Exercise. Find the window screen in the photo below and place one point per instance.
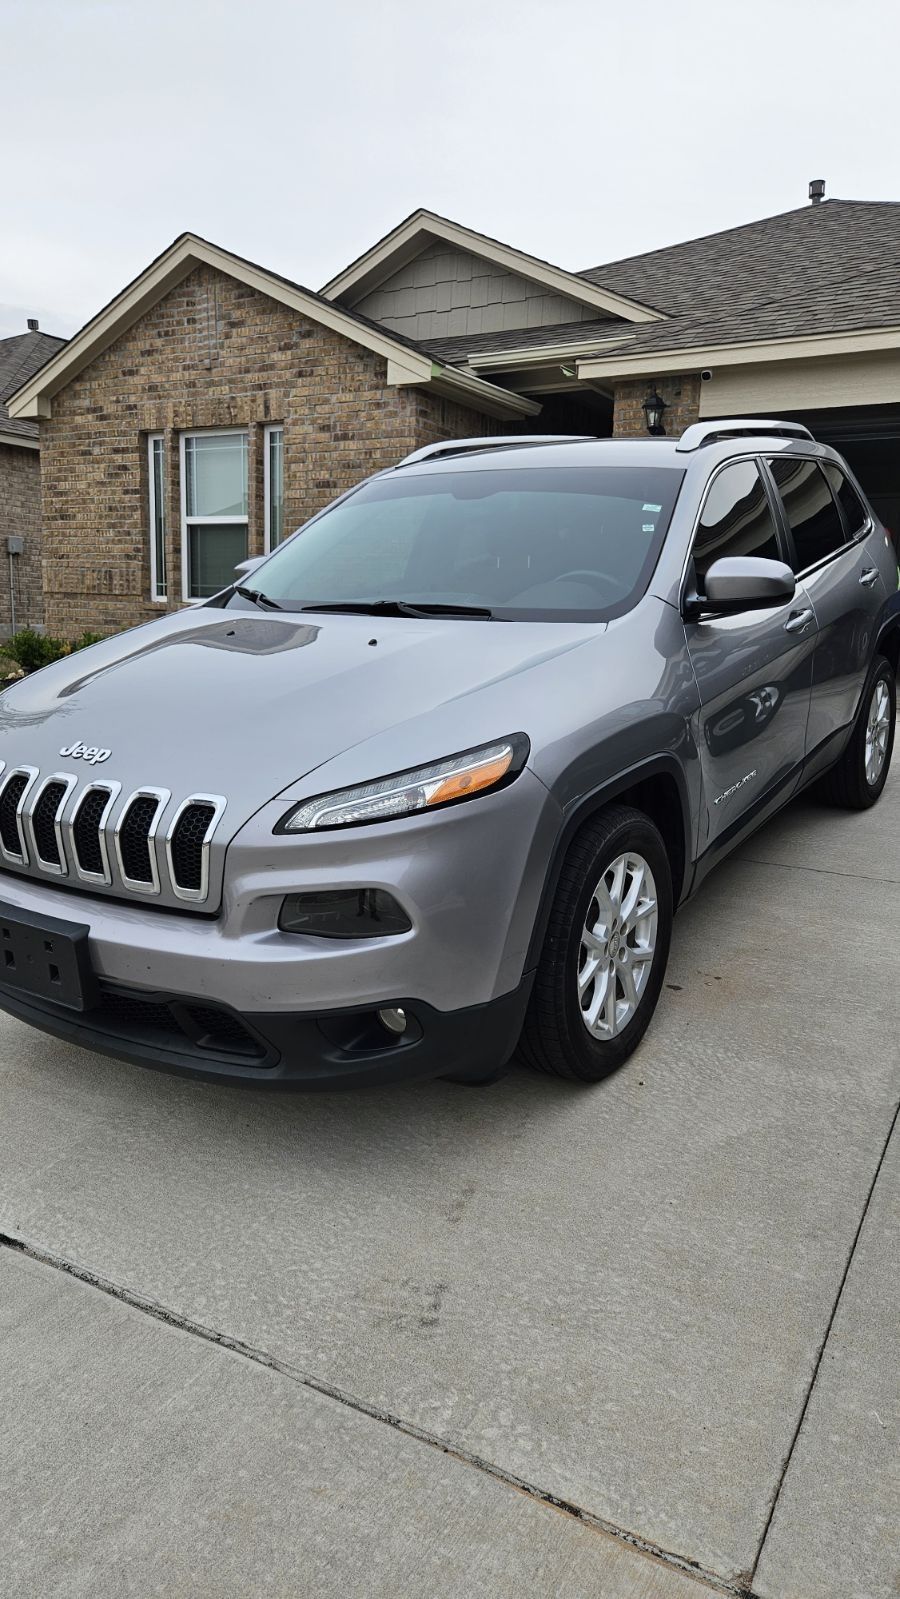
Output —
(811, 510)
(736, 519)
(855, 513)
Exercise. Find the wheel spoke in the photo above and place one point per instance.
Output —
(587, 974)
(626, 977)
(610, 1003)
(598, 1002)
(634, 893)
(645, 909)
(615, 888)
(641, 952)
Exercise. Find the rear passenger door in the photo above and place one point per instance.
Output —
(830, 530)
(753, 670)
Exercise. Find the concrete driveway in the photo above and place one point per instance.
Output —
(529, 1340)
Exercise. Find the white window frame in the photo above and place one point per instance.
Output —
(273, 427)
(200, 521)
(159, 597)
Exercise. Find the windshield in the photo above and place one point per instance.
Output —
(538, 543)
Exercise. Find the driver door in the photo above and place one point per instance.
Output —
(753, 670)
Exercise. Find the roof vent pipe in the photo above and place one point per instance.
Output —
(817, 191)
(32, 324)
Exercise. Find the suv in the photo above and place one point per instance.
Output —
(430, 783)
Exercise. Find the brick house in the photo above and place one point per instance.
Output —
(21, 596)
(214, 405)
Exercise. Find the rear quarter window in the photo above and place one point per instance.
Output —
(811, 510)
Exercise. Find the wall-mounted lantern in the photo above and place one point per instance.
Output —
(653, 408)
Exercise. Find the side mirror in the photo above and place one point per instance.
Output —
(244, 568)
(742, 583)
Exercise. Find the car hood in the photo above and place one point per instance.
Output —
(244, 705)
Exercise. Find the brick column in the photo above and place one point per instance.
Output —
(682, 397)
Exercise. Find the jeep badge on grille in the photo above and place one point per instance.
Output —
(86, 752)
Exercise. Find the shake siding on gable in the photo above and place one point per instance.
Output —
(445, 292)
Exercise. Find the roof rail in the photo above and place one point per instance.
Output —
(431, 452)
(700, 433)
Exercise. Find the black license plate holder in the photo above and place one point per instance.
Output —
(46, 958)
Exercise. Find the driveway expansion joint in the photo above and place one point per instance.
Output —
(261, 1357)
(823, 1346)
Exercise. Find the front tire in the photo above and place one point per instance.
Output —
(858, 778)
(605, 951)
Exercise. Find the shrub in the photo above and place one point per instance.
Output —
(32, 650)
(87, 638)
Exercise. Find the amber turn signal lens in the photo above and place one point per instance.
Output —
(460, 784)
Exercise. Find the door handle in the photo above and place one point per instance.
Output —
(869, 576)
(798, 621)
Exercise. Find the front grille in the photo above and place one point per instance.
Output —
(86, 831)
(9, 800)
(42, 823)
(92, 833)
(134, 839)
(188, 837)
(221, 1029)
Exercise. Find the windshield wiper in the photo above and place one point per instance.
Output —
(258, 598)
(400, 608)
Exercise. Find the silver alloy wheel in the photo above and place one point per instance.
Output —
(617, 946)
(877, 729)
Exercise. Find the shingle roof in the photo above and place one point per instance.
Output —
(462, 345)
(825, 268)
(20, 357)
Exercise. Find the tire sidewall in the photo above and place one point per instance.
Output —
(593, 1058)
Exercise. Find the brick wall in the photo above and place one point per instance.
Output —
(20, 515)
(681, 394)
(213, 353)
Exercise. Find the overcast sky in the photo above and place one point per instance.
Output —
(296, 134)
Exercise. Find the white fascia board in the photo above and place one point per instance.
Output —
(650, 362)
(464, 387)
(18, 442)
(34, 398)
(411, 236)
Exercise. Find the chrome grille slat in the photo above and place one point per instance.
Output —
(135, 834)
(86, 832)
(43, 821)
(14, 790)
(188, 859)
(95, 836)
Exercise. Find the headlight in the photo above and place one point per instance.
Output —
(460, 777)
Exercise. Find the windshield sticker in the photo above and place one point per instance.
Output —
(651, 507)
(648, 527)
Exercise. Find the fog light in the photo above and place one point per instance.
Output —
(393, 1018)
(344, 913)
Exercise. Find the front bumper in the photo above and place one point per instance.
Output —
(336, 1049)
(289, 1006)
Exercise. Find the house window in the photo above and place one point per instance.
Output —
(214, 510)
(274, 486)
(156, 461)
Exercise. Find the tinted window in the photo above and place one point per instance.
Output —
(736, 519)
(811, 510)
(855, 513)
(540, 542)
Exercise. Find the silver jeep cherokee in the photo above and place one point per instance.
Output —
(431, 781)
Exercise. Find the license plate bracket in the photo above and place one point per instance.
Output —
(46, 958)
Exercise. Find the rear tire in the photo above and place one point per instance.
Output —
(857, 780)
(605, 951)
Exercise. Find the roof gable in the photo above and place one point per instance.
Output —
(423, 229)
(408, 364)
